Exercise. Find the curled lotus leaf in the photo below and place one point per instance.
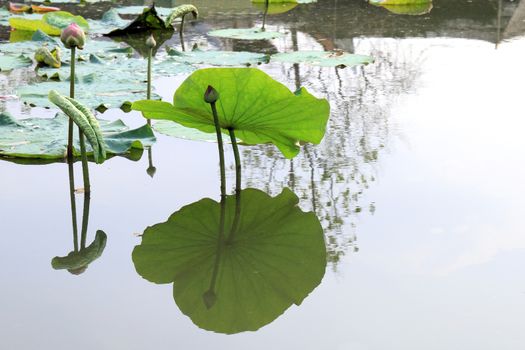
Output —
(46, 138)
(79, 260)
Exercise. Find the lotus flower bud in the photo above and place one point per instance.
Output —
(150, 42)
(211, 95)
(73, 36)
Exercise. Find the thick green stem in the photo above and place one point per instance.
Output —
(72, 95)
(237, 216)
(148, 91)
(85, 220)
(85, 169)
(181, 34)
(73, 204)
(221, 149)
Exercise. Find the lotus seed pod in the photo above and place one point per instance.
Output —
(150, 42)
(211, 95)
(73, 36)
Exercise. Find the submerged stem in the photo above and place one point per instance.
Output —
(73, 204)
(72, 95)
(85, 220)
(237, 216)
(85, 169)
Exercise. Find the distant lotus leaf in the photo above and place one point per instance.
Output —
(238, 283)
(218, 58)
(258, 108)
(170, 128)
(137, 10)
(405, 7)
(110, 21)
(147, 20)
(8, 63)
(180, 12)
(78, 261)
(45, 138)
(116, 70)
(51, 23)
(46, 57)
(322, 58)
(246, 34)
(276, 8)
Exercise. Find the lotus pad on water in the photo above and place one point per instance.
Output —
(51, 23)
(8, 63)
(47, 138)
(322, 58)
(218, 58)
(231, 284)
(246, 34)
(258, 108)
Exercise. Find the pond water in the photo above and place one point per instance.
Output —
(418, 185)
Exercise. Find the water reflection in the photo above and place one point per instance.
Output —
(238, 264)
(77, 261)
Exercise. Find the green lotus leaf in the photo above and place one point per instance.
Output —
(110, 21)
(51, 23)
(322, 58)
(258, 108)
(246, 34)
(78, 261)
(146, 21)
(8, 63)
(170, 128)
(231, 284)
(45, 138)
(218, 58)
(412, 10)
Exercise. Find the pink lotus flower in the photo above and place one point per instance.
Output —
(73, 36)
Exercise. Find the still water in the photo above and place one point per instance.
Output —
(418, 186)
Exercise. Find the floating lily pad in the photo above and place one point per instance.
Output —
(115, 71)
(137, 10)
(218, 58)
(46, 138)
(8, 63)
(405, 7)
(258, 108)
(240, 282)
(5, 15)
(110, 21)
(78, 261)
(51, 23)
(322, 58)
(246, 34)
(173, 129)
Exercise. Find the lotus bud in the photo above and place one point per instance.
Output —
(73, 36)
(211, 95)
(209, 299)
(150, 42)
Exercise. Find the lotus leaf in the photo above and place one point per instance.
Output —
(170, 128)
(322, 58)
(246, 34)
(258, 108)
(231, 284)
(147, 20)
(405, 7)
(51, 23)
(8, 63)
(218, 58)
(46, 138)
(78, 261)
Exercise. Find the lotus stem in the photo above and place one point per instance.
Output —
(266, 6)
(148, 92)
(85, 219)
(85, 169)
(73, 204)
(72, 95)
(181, 34)
(221, 149)
(209, 297)
(237, 216)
